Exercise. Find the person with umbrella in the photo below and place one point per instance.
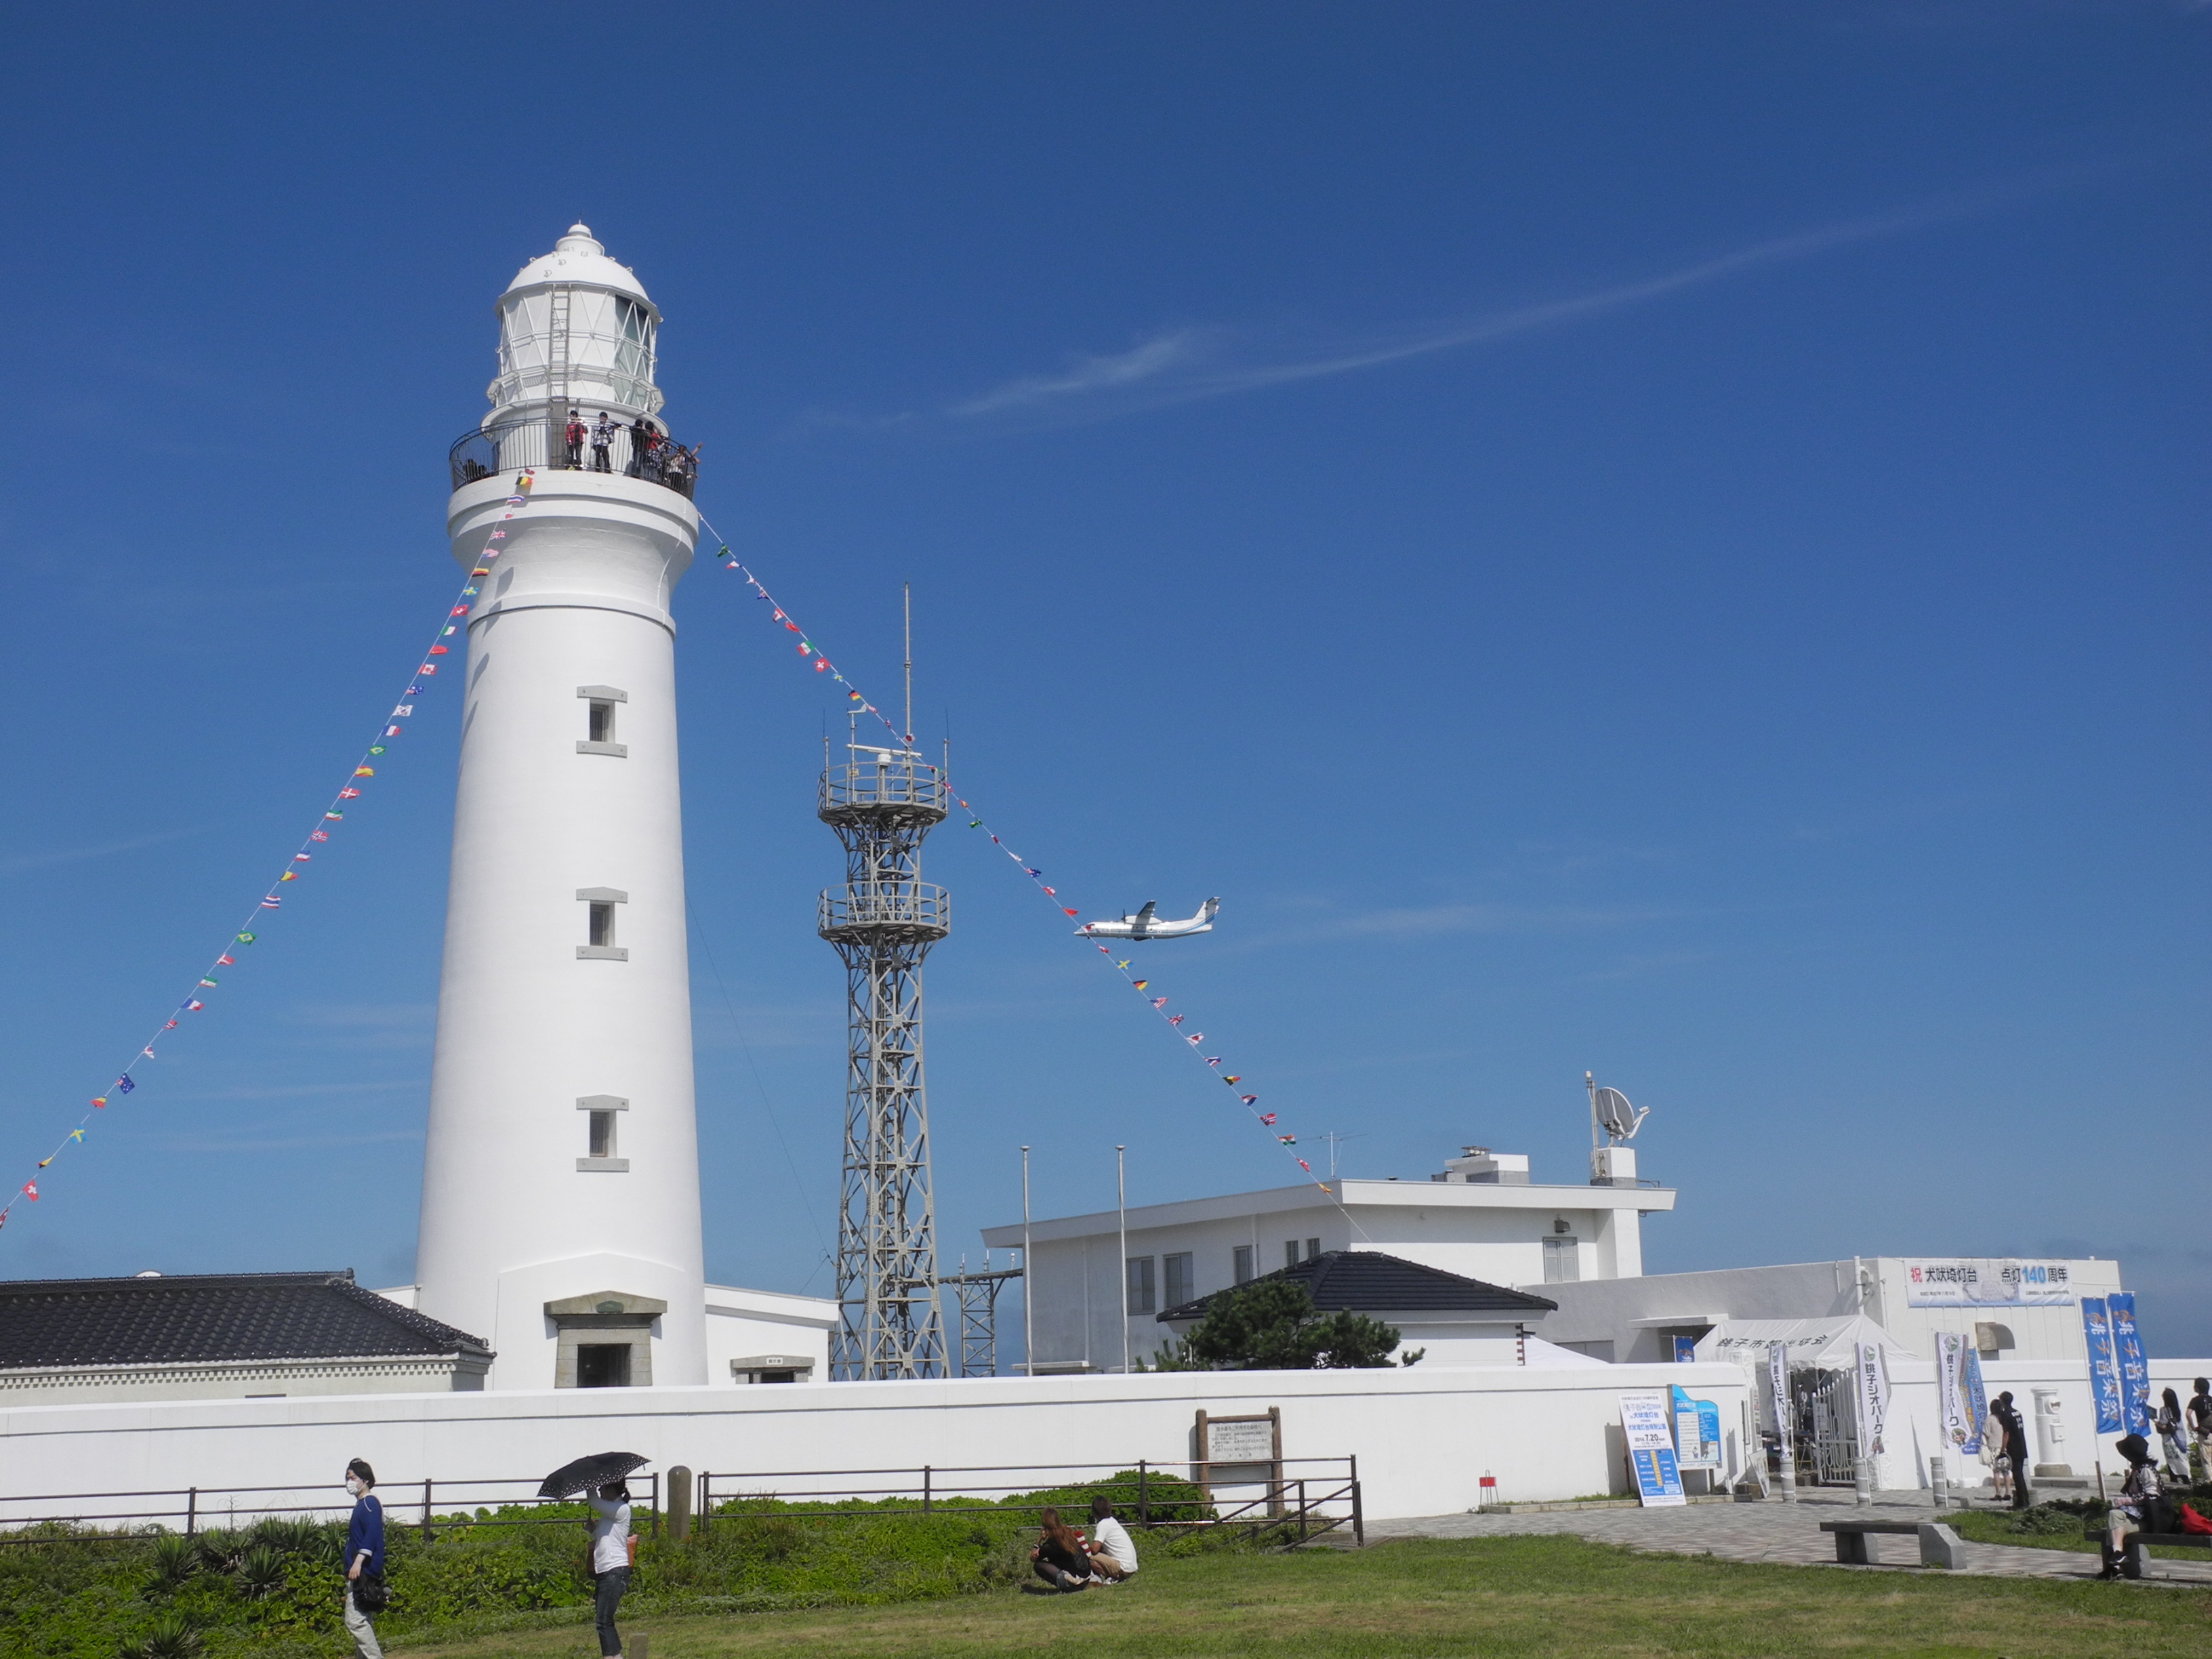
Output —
(614, 1550)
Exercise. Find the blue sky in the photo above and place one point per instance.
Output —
(1664, 540)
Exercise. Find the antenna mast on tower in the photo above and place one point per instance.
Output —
(882, 802)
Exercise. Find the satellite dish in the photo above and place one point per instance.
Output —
(1619, 1119)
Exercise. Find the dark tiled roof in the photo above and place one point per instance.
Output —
(210, 1316)
(1370, 1282)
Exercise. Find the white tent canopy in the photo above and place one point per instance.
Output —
(1827, 1343)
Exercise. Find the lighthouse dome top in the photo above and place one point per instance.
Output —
(579, 258)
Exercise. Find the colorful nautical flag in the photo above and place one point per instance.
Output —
(125, 1085)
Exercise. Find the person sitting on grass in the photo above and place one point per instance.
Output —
(1113, 1557)
(1060, 1556)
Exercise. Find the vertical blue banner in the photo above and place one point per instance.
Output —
(2134, 1365)
(2104, 1373)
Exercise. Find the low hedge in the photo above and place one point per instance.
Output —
(273, 1589)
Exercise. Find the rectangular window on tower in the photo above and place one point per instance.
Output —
(1289, 1253)
(1313, 1248)
(602, 1138)
(1242, 1260)
(598, 737)
(1181, 1283)
(599, 905)
(1562, 1261)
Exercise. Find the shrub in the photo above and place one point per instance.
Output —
(171, 1636)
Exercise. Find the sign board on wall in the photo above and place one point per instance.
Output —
(1652, 1449)
(1987, 1282)
(1696, 1432)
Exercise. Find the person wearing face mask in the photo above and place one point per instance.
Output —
(364, 1559)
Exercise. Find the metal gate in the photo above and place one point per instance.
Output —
(1827, 1426)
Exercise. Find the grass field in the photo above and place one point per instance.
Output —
(1548, 1596)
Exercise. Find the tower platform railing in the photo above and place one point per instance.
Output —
(898, 785)
(487, 452)
(913, 909)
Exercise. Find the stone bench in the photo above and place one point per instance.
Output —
(2131, 1550)
(1940, 1547)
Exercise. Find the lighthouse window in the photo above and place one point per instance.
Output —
(602, 924)
(603, 1134)
(602, 725)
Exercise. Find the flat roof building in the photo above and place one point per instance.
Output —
(1482, 1218)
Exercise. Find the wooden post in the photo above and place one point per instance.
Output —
(655, 1501)
(426, 1509)
(1144, 1496)
(1200, 1466)
(925, 1489)
(706, 1499)
(679, 1503)
(192, 1510)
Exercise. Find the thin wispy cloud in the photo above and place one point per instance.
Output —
(1192, 363)
(1148, 361)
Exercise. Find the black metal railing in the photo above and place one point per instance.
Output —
(192, 1510)
(488, 452)
(1322, 1497)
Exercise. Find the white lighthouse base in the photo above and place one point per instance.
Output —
(752, 1336)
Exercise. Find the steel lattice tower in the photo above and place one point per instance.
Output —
(882, 802)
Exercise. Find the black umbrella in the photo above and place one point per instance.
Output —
(590, 1473)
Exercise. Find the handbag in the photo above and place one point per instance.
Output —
(371, 1594)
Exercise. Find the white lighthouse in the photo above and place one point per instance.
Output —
(560, 1180)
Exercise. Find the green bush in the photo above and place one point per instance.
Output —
(274, 1589)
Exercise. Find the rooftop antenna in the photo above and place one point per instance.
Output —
(1613, 1122)
(907, 730)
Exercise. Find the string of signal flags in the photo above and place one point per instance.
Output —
(394, 726)
(858, 704)
(318, 839)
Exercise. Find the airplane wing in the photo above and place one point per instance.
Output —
(1144, 917)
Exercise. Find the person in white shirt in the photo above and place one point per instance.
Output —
(1113, 1555)
(610, 1561)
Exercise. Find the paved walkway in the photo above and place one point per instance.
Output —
(1774, 1531)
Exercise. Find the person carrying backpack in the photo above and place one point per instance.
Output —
(364, 1559)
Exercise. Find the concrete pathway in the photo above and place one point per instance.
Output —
(1774, 1531)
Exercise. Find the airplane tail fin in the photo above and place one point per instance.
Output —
(1209, 909)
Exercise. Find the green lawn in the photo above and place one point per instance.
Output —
(2040, 1529)
(1548, 1597)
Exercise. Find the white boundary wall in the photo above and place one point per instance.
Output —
(1425, 1437)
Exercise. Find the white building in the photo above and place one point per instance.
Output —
(2011, 1309)
(1481, 1218)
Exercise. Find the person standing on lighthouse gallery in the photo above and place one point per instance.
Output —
(575, 435)
(603, 435)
